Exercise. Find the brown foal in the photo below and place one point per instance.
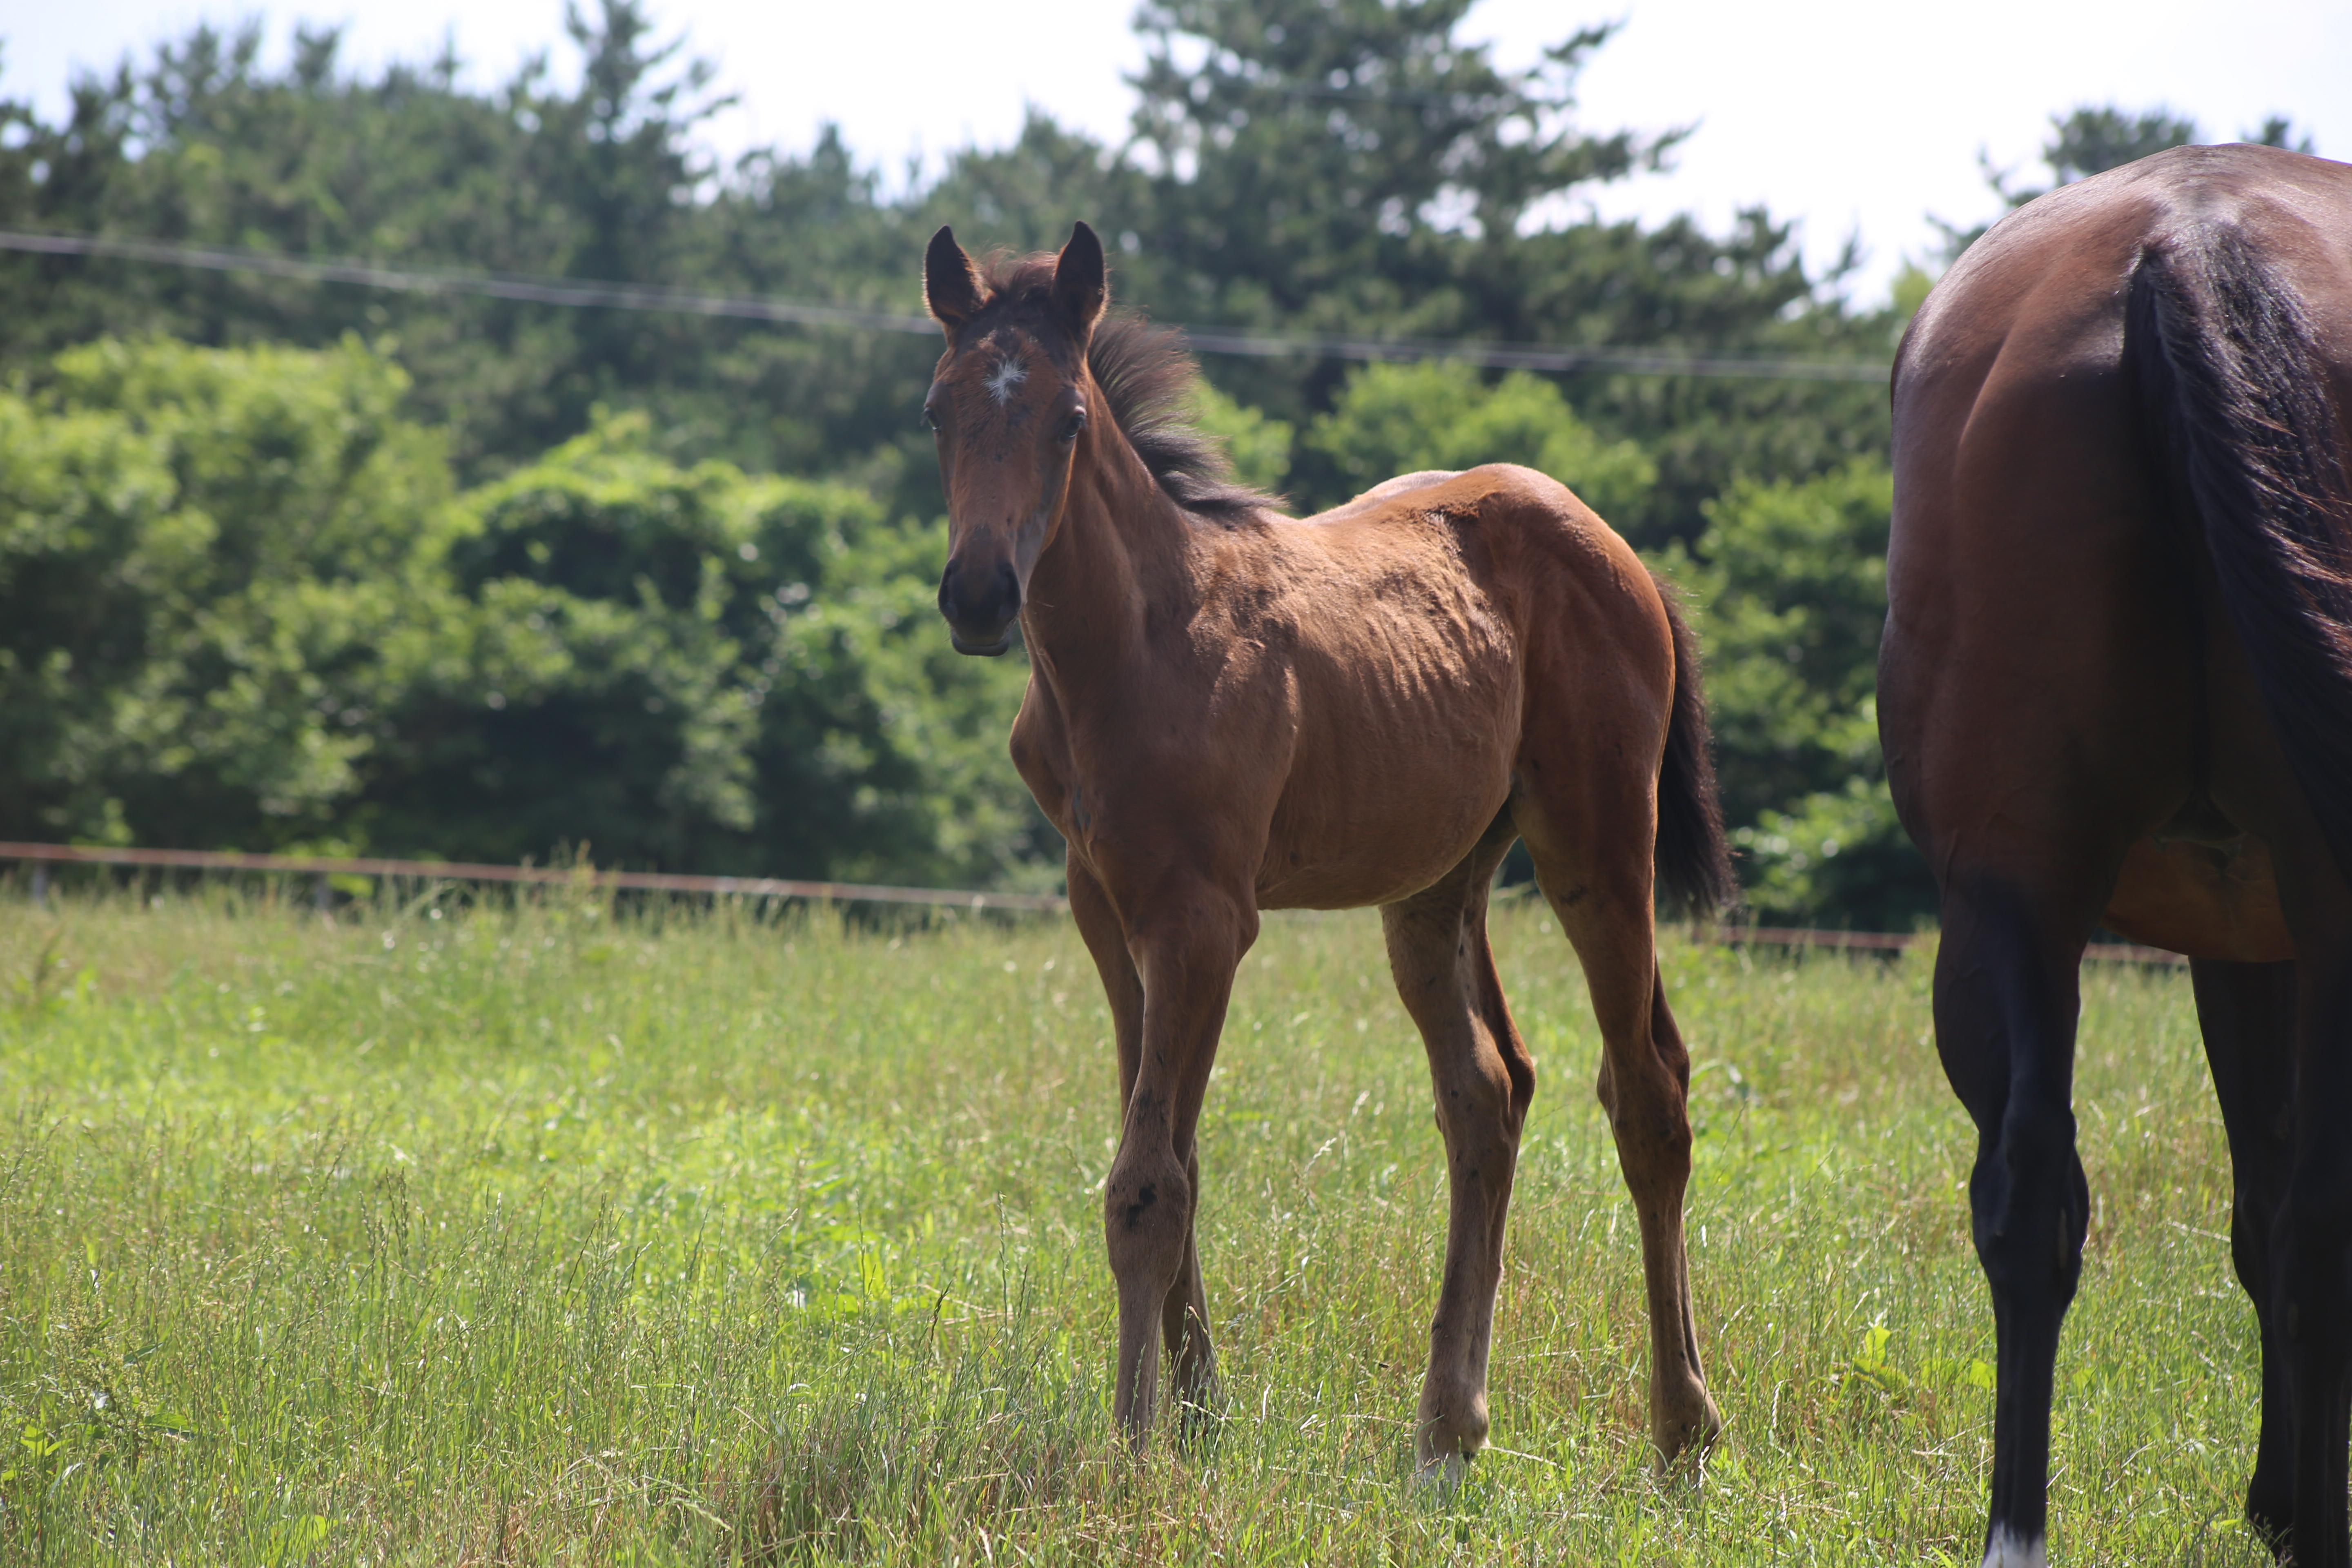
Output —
(1229, 710)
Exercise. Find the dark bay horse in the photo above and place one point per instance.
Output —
(2116, 686)
(1231, 710)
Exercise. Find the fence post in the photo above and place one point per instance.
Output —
(323, 898)
(40, 884)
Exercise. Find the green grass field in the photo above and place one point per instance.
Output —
(536, 1234)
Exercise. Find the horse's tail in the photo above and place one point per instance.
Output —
(2234, 390)
(1694, 860)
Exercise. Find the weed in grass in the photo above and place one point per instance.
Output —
(554, 1231)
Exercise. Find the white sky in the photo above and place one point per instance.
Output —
(1851, 115)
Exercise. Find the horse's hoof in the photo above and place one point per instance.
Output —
(2007, 1551)
(2270, 1514)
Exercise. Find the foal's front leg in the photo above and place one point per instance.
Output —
(1185, 949)
(1184, 1313)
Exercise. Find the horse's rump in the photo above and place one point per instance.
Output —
(2117, 671)
(2251, 448)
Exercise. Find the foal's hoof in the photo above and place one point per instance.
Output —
(1200, 1420)
(1451, 1429)
(1439, 1475)
(1133, 1449)
(1685, 1436)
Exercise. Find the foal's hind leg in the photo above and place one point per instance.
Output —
(1483, 1078)
(1595, 873)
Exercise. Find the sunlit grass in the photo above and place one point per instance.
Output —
(540, 1235)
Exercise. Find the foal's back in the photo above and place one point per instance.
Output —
(1400, 643)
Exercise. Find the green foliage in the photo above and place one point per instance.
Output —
(1258, 446)
(2091, 138)
(1791, 587)
(1793, 582)
(207, 143)
(699, 668)
(1838, 858)
(894, 740)
(217, 571)
(602, 697)
(1347, 126)
(2278, 130)
(1358, 167)
(1364, 169)
(241, 607)
(1910, 291)
(1391, 419)
(2092, 141)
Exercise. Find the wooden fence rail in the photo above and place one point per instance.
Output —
(43, 856)
(1894, 942)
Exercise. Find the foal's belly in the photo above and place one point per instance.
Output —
(1389, 861)
(1385, 806)
(1405, 709)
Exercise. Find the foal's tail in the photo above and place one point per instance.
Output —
(1694, 860)
(2253, 455)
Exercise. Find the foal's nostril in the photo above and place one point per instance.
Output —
(980, 604)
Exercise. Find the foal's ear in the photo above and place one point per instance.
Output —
(951, 285)
(1078, 284)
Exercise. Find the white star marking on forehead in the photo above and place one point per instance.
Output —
(1000, 382)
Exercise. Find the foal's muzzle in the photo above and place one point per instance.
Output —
(979, 606)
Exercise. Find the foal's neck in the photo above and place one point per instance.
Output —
(1125, 553)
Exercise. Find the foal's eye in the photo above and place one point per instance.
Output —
(930, 419)
(1074, 424)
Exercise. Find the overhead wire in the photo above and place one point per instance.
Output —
(587, 293)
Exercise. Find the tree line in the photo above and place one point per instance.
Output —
(298, 565)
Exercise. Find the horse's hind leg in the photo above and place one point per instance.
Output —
(2248, 1013)
(2007, 997)
(1596, 875)
(1483, 1078)
(2311, 1260)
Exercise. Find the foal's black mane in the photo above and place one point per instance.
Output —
(1147, 379)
